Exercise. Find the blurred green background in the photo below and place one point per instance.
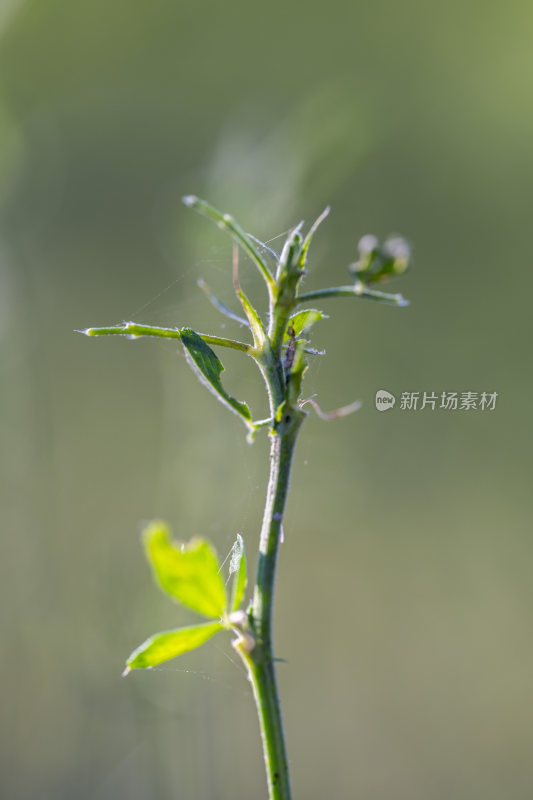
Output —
(405, 591)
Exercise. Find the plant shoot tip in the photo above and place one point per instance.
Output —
(189, 200)
(126, 672)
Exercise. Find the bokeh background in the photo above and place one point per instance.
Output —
(405, 591)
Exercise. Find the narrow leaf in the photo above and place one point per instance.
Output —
(168, 644)
(189, 573)
(265, 247)
(208, 367)
(227, 222)
(237, 568)
(219, 305)
(309, 237)
(252, 316)
(296, 373)
(254, 320)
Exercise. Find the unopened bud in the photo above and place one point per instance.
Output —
(398, 251)
(238, 617)
(368, 244)
(368, 247)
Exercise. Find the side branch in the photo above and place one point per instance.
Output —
(226, 221)
(358, 290)
(134, 331)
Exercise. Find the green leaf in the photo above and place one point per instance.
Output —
(254, 320)
(168, 644)
(237, 567)
(302, 321)
(208, 367)
(189, 573)
(295, 376)
(309, 237)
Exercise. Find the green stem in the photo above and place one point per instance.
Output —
(134, 330)
(357, 290)
(260, 661)
(263, 680)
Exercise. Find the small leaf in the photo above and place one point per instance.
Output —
(168, 644)
(188, 573)
(237, 567)
(208, 367)
(295, 376)
(254, 320)
(309, 237)
(303, 320)
(265, 247)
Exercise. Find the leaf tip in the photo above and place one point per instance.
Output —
(322, 216)
(401, 301)
(155, 530)
(126, 671)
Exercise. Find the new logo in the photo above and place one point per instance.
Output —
(384, 400)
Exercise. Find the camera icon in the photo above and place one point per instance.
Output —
(384, 400)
